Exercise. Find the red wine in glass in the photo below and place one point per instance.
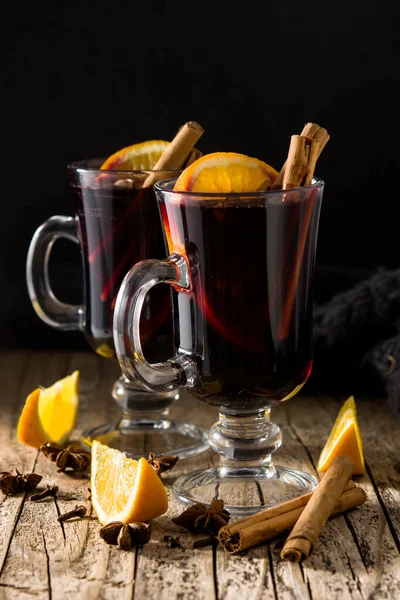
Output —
(235, 319)
(119, 226)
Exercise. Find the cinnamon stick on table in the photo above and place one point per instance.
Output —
(304, 535)
(177, 153)
(270, 523)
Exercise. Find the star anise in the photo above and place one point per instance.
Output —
(162, 463)
(126, 535)
(200, 517)
(12, 483)
(73, 457)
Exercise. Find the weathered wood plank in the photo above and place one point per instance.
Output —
(357, 556)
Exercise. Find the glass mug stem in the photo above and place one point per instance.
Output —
(251, 438)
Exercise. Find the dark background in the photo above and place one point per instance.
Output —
(82, 80)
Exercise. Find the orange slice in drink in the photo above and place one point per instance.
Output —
(225, 172)
(138, 157)
(50, 414)
(124, 489)
(344, 439)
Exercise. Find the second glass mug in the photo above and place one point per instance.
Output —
(116, 224)
(242, 268)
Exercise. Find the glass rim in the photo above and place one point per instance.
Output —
(83, 166)
(159, 186)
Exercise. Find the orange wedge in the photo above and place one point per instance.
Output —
(49, 414)
(143, 156)
(29, 429)
(124, 489)
(226, 172)
(344, 439)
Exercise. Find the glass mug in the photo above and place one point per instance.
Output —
(116, 224)
(241, 267)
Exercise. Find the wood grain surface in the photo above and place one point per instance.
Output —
(357, 555)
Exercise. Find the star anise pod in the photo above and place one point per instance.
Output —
(12, 483)
(126, 535)
(73, 457)
(200, 517)
(162, 463)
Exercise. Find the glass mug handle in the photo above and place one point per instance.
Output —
(51, 310)
(172, 374)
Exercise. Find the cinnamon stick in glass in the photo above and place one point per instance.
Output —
(238, 536)
(311, 131)
(193, 156)
(298, 171)
(177, 153)
(312, 520)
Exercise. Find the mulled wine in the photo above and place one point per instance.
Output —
(246, 319)
(119, 225)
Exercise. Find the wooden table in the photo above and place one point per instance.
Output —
(357, 555)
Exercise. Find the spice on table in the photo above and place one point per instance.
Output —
(79, 511)
(304, 535)
(172, 542)
(162, 463)
(269, 524)
(208, 541)
(49, 492)
(200, 517)
(12, 483)
(73, 457)
(126, 535)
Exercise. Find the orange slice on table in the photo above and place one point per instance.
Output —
(124, 489)
(50, 414)
(137, 157)
(344, 439)
(226, 172)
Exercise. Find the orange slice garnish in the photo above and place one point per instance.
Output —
(344, 439)
(138, 157)
(124, 489)
(225, 172)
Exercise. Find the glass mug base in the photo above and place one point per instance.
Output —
(146, 427)
(245, 490)
(140, 437)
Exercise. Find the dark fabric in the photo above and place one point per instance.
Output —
(357, 338)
